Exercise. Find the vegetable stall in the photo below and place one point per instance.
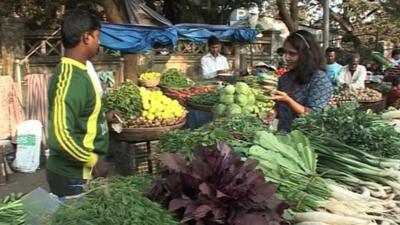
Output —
(339, 166)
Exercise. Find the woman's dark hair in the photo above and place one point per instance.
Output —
(311, 57)
(74, 24)
(395, 51)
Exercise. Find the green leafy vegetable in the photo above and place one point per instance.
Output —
(359, 129)
(115, 201)
(173, 79)
(12, 210)
(125, 100)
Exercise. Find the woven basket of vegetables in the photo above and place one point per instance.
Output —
(150, 83)
(138, 134)
(149, 79)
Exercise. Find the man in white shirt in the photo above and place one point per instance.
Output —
(353, 75)
(395, 57)
(213, 62)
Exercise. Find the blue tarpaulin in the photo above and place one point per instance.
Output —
(136, 38)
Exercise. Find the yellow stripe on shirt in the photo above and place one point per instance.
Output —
(62, 133)
(61, 86)
(88, 141)
(69, 139)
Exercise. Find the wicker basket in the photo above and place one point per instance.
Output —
(146, 134)
(150, 83)
(205, 108)
(377, 106)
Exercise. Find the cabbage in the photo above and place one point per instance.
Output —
(229, 89)
(241, 100)
(219, 110)
(247, 110)
(251, 99)
(226, 99)
(233, 109)
(256, 109)
(242, 88)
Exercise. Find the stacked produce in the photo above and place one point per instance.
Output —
(237, 131)
(344, 185)
(183, 94)
(291, 162)
(367, 95)
(241, 99)
(343, 96)
(217, 187)
(125, 100)
(157, 110)
(363, 130)
(172, 78)
(12, 210)
(116, 201)
(141, 107)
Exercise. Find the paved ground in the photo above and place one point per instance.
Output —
(24, 182)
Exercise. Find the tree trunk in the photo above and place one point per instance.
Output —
(114, 15)
(289, 17)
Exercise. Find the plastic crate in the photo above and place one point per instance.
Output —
(136, 158)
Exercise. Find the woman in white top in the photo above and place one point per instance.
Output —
(353, 75)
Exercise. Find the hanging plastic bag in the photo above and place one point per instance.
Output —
(29, 137)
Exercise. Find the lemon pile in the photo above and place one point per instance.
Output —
(149, 76)
(157, 106)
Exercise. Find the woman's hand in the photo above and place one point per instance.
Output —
(279, 96)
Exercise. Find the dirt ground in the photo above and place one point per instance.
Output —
(24, 182)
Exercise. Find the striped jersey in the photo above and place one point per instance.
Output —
(78, 132)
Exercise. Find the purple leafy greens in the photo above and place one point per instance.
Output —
(217, 187)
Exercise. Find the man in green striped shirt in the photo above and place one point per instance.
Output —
(78, 131)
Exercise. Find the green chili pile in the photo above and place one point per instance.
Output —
(173, 79)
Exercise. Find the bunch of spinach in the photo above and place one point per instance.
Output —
(125, 100)
(355, 128)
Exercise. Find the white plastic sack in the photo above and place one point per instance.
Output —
(29, 137)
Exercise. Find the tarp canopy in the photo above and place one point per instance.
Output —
(137, 38)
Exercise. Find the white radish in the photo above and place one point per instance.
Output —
(311, 223)
(329, 218)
